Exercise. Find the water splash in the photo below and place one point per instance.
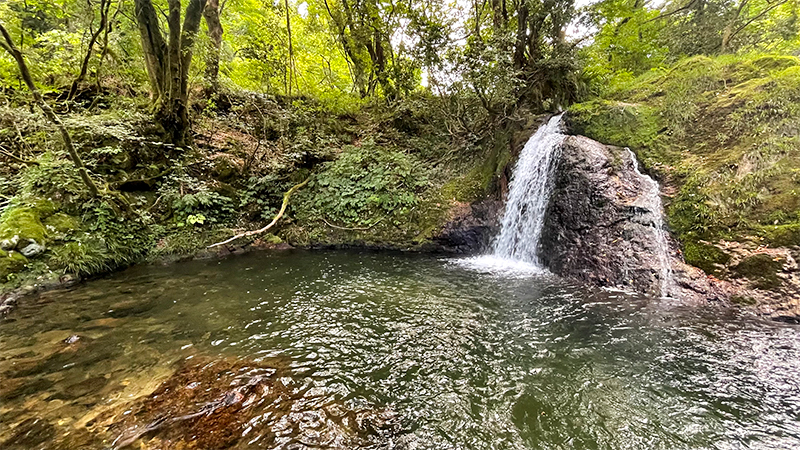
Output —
(529, 194)
(650, 203)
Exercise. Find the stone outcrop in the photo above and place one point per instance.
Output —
(471, 228)
(597, 232)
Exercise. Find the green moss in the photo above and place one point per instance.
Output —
(616, 123)
(61, 223)
(271, 239)
(743, 300)
(11, 263)
(470, 186)
(705, 256)
(782, 235)
(23, 222)
(761, 269)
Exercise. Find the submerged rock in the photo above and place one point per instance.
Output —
(237, 404)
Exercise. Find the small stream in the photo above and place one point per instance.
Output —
(454, 358)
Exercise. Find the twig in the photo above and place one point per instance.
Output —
(18, 159)
(355, 228)
(286, 197)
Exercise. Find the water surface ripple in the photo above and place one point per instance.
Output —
(466, 360)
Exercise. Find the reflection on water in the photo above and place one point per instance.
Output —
(386, 351)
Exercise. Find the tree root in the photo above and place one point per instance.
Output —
(271, 224)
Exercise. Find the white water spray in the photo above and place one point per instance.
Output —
(650, 201)
(529, 194)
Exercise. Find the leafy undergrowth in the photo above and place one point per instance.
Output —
(723, 134)
(382, 176)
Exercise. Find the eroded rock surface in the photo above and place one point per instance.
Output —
(594, 231)
(598, 231)
(471, 228)
(234, 404)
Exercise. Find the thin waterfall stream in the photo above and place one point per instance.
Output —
(650, 202)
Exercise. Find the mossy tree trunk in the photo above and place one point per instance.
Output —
(168, 61)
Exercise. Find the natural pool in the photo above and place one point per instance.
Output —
(385, 350)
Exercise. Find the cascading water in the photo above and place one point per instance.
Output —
(528, 196)
(650, 203)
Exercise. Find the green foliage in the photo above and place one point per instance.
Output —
(264, 194)
(367, 183)
(193, 202)
(83, 257)
(124, 240)
(191, 209)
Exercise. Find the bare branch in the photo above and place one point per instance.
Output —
(286, 197)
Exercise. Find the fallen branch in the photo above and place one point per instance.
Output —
(271, 224)
(17, 158)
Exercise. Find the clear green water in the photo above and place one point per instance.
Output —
(465, 360)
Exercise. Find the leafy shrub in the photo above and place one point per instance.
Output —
(366, 183)
(82, 257)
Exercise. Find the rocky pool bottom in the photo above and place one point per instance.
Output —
(365, 350)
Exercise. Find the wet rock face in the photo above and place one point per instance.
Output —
(471, 228)
(594, 230)
(228, 404)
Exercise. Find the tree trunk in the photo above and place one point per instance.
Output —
(522, 39)
(9, 46)
(153, 47)
(168, 63)
(211, 14)
(290, 67)
(105, 5)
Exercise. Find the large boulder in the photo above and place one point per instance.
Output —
(601, 230)
(470, 228)
(595, 230)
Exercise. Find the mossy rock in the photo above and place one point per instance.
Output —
(707, 257)
(782, 235)
(11, 263)
(761, 269)
(23, 222)
(61, 223)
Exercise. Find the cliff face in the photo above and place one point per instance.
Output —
(595, 231)
(599, 231)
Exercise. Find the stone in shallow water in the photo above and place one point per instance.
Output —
(30, 434)
(237, 404)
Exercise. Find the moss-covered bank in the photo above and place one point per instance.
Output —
(723, 136)
(379, 176)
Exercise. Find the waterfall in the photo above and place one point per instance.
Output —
(529, 194)
(650, 201)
